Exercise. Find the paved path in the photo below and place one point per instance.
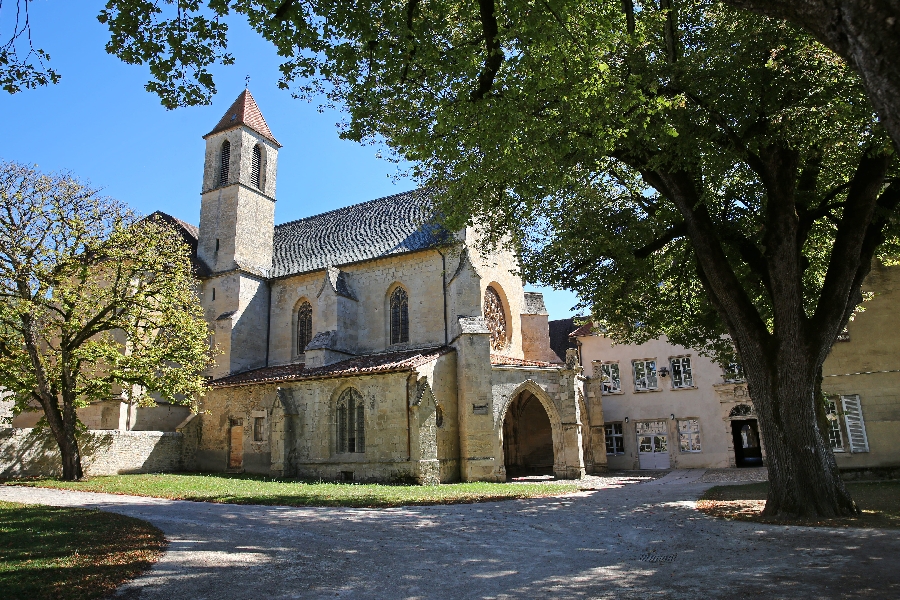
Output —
(634, 541)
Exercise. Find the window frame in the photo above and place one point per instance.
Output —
(834, 424)
(634, 374)
(224, 163)
(600, 370)
(398, 316)
(350, 417)
(610, 434)
(692, 433)
(299, 349)
(256, 163)
(690, 370)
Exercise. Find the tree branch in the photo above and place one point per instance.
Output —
(493, 54)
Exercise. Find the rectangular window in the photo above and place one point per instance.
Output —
(733, 373)
(259, 424)
(689, 435)
(609, 376)
(682, 377)
(834, 426)
(615, 442)
(644, 374)
(856, 426)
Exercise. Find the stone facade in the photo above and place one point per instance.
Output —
(358, 401)
(28, 453)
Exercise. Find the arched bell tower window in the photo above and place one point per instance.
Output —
(255, 167)
(304, 327)
(399, 316)
(495, 317)
(225, 162)
(351, 422)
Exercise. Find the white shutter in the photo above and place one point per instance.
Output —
(856, 426)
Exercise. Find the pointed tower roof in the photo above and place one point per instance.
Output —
(244, 111)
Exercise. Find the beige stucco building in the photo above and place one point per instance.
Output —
(861, 378)
(665, 406)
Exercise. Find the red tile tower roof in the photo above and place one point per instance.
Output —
(244, 111)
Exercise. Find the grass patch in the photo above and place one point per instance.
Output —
(878, 501)
(250, 489)
(62, 553)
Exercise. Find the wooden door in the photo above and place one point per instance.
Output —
(236, 444)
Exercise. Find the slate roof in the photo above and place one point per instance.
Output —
(244, 111)
(391, 225)
(385, 362)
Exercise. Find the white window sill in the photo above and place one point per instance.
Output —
(616, 393)
(685, 387)
(690, 451)
(647, 390)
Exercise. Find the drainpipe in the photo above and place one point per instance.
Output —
(444, 295)
(268, 321)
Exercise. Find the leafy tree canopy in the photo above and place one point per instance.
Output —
(94, 304)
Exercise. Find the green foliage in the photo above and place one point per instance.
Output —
(249, 489)
(566, 146)
(64, 553)
(94, 302)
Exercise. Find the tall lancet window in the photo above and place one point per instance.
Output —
(304, 327)
(351, 422)
(399, 316)
(226, 162)
(255, 167)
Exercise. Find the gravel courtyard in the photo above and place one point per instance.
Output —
(620, 540)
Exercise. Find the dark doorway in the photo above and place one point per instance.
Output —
(747, 449)
(527, 438)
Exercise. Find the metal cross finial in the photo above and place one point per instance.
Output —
(247, 82)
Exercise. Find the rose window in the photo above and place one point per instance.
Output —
(495, 318)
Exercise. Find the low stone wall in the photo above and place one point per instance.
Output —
(25, 452)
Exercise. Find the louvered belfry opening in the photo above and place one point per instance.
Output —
(351, 422)
(255, 167)
(226, 162)
(399, 316)
(304, 327)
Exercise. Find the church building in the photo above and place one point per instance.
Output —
(368, 343)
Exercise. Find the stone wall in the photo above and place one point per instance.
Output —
(403, 439)
(25, 452)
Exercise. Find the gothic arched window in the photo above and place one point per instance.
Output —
(495, 317)
(304, 327)
(351, 422)
(225, 162)
(399, 316)
(255, 167)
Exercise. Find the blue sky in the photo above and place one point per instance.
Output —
(100, 124)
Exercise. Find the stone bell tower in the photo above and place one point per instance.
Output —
(237, 224)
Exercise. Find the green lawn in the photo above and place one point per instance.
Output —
(249, 489)
(879, 502)
(59, 553)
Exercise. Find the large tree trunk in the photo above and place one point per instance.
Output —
(70, 454)
(865, 33)
(804, 480)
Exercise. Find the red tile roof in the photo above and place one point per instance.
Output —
(386, 362)
(499, 359)
(585, 330)
(244, 111)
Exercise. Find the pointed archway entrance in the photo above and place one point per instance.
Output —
(527, 438)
